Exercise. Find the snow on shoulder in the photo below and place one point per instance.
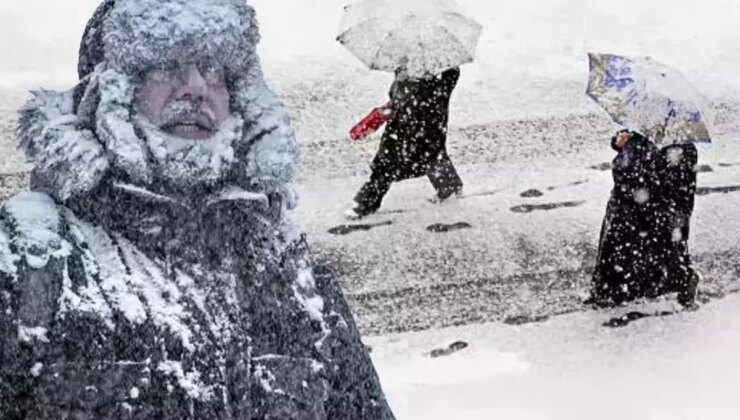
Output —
(37, 224)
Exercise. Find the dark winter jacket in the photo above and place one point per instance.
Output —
(416, 132)
(138, 307)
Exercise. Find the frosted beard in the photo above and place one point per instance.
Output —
(183, 163)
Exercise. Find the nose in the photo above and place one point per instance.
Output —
(194, 85)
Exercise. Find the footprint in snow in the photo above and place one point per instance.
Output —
(630, 317)
(443, 228)
(525, 319)
(717, 190)
(347, 229)
(451, 349)
(396, 211)
(529, 208)
(533, 193)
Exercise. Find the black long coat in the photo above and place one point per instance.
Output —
(627, 265)
(214, 323)
(643, 247)
(416, 132)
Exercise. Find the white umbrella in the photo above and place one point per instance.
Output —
(424, 36)
(649, 97)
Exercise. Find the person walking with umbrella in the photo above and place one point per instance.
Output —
(414, 141)
(643, 246)
(423, 43)
(627, 265)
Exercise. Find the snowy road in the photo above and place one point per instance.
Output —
(523, 258)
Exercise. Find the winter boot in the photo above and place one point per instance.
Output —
(688, 292)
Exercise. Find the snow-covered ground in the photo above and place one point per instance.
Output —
(519, 121)
(680, 367)
(508, 265)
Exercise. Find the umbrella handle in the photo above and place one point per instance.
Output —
(371, 123)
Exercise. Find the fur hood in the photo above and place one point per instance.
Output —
(78, 138)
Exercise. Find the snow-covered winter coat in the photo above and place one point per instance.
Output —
(643, 246)
(416, 132)
(130, 293)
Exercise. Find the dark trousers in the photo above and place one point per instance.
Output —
(441, 174)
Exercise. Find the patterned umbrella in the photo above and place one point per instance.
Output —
(648, 97)
(426, 37)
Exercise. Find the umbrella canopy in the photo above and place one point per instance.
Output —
(426, 37)
(656, 100)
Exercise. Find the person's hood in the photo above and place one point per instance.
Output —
(79, 138)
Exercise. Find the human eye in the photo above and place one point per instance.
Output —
(212, 72)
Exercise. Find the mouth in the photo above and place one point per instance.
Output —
(192, 127)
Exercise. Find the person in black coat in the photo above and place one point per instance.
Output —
(643, 246)
(626, 267)
(678, 189)
(414, 141)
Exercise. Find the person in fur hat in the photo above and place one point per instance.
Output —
(151, 271)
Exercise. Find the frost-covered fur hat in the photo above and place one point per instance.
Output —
(78, 138)
(133, 35)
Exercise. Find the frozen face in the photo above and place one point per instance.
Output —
(188, 100)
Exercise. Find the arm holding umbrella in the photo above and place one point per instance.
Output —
(397, 94)
(372, 122)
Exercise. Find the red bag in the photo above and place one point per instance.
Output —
(371, 123)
